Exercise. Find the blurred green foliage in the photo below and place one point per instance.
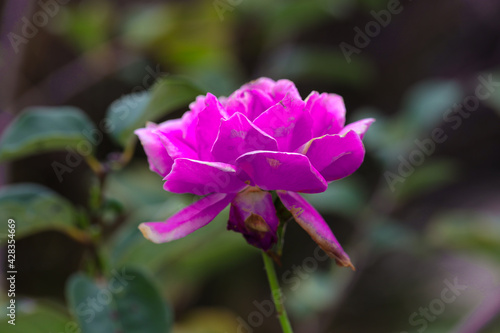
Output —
(398, 239)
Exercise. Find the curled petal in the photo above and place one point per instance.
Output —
(282, 88)
(288, 122)
(250, 102)
(360, 127)
(207, 127)
(253, 214)
(198, 105)
(237, 136)
(187, 220)
(281, 171)
(175, 144)
(202, 178)
(327, 112)
(265, 84)
(158, 158)
(312, 222)
(335, 156)
(276, 89)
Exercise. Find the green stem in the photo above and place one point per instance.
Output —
(276, 292)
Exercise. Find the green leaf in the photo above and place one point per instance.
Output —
(41, 129)
(36, 208)
(133, 111)
(36, 317)
(127, 302)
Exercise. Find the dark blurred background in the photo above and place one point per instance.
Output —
(413, 220)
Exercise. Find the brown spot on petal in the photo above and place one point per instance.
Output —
(273, 163)
(256, 223)
(296, 211)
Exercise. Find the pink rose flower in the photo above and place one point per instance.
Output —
(236, 150)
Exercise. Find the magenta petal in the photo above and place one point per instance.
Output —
(312, 222)
(202, 178)
(327, 111)
(173, 140)
(198, 105)
(237, 136)
(158, 158)
(187, 220)
(281, 171)
(251, 102)
(283, 88)
(335, 156)
(207, 127)
(253, 214)
(265, 84)
(360, 127)
(288, 122)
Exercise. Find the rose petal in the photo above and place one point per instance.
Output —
(281, 171)
(237, 136)
(208, 126)
(312, 222)
(158, 158)
(253, 214)
(282, 88)
(327, 112)
(173, 140)
(250, 102)
(265, 84)
(288, 122)
(360, 127)
(187, 220)
(335, 156)
(202, 178)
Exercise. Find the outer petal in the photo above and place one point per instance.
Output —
(288, 123)
(360, 127)
(237, 136)
(327, 111)
(208, 126)
(202, 178)
(158, 158)
(281, 171)
(253, 214)
(312, 222)
(187, 220)
(335, 156)
(173, 140)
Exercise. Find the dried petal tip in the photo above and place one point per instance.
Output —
(312, 222)
(341, 259)
(146, 232)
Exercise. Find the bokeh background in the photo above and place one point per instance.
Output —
(414, 220)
